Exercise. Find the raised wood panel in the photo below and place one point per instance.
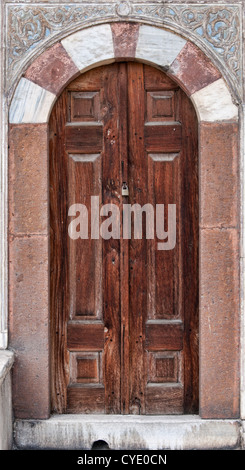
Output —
(160, 106)
(85, 276)
(164, 399)
(163, 367)
(85, 336)
(164, 336)
(163, 138)
(164, 267)
(85, 399)
(84, 106)
(85, 367)
(83, 138)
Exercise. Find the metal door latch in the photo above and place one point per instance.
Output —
(124, 189)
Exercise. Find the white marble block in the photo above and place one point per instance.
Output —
(214, 103)
(90, 46)
(158, 45)
(30, 104)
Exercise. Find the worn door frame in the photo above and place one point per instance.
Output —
(31, 105)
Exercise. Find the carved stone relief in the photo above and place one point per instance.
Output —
(214, 27)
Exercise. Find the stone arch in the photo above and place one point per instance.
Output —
(30, 109)
(47, 76)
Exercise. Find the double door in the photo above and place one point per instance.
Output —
(124, 313)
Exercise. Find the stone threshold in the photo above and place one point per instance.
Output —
(79, 432)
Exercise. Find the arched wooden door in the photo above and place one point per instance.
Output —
(124, 314)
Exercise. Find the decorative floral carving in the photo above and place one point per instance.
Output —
(216, 26)
(29, 25)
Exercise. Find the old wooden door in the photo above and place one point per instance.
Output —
(124, 314)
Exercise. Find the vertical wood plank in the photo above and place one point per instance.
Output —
(59, 274)
(137, 248)
(190, 235)
(124, 244)
(111, 247)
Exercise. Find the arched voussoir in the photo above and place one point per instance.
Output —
(102, 44)
(193, 69)
(213, 103)
(90, 47)
(31, 103)
(53, 69)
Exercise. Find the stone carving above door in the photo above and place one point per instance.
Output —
(216, 28)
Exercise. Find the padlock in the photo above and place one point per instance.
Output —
(124, 189)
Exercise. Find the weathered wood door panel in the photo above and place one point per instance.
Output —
(124, 315)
